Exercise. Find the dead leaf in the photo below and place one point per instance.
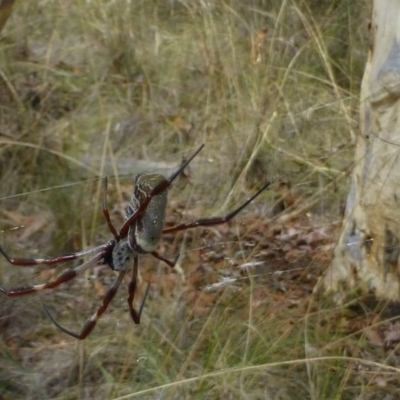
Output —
(374, 337)
(31, 224)
(99, 288)
(257, 46)
(391, 337)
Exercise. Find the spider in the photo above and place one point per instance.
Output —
(140, 234)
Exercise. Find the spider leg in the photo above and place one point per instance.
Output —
(29, 262)
(168, 262)
(135, 315)
(95, 317)
(215, 220)
(64, 277)
(106, 212)
(157, 190)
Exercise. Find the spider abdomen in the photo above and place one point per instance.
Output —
(145, 233)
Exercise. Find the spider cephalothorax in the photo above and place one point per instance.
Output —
(140, 234)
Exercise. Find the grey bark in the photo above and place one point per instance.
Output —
(368, 249)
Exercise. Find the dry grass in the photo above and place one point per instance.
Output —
(95, 88)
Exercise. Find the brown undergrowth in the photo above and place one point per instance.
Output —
(237, 314)
(94, 88)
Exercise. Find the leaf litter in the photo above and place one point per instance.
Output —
(282, 261)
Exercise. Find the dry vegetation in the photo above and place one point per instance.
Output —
(89, 88)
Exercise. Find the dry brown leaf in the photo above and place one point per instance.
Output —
(316, 237)
(391, 337)
(261, 296)
(99, 288)
(31, 223)
(257, 45)
(46, 274)
(374, 337)
(381, 381)
(15, 217)
(288, 237)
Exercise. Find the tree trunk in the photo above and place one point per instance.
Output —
(368, 249)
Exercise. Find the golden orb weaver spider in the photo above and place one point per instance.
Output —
(140, 234)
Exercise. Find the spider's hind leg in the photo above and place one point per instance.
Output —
(135, 315)
(93, 320)
(168, 262)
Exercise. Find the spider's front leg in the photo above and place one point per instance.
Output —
(66, 276)
(30, 262)
(215, 220)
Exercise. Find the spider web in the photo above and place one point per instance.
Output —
(30, 228)
(44, 235)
